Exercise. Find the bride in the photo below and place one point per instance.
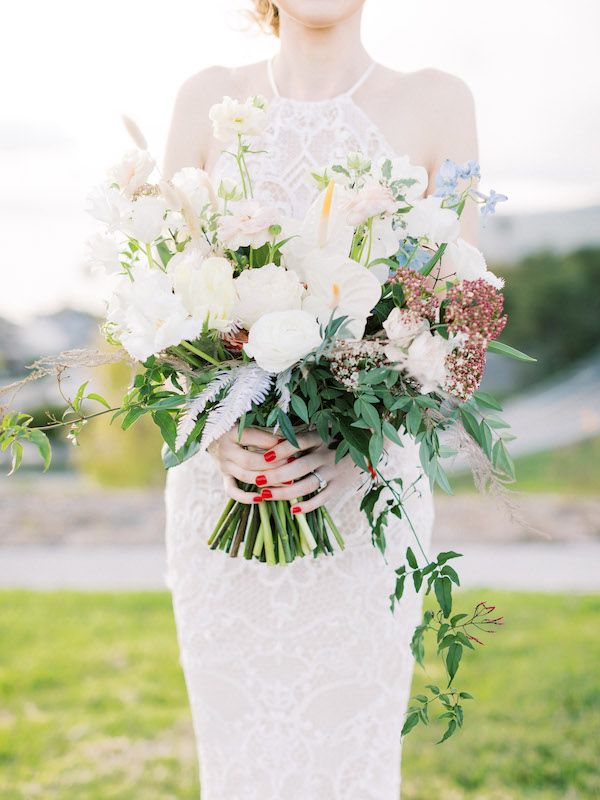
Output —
(299, 677)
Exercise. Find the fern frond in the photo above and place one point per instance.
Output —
(197, 405)
(282, 387)
(251, 387)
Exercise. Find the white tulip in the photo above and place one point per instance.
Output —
(281, 338)
(205, 286)
(231, 117)
(132, 171)
(147, 316)
(145, 220)
(427, 218)
(467, 263)
(260, 291)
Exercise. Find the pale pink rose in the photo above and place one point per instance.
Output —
(247, 225)
(370, 201)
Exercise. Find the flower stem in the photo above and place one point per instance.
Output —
(200, 353)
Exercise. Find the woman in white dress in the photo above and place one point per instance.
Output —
(299, 676)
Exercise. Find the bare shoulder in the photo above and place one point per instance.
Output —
(431, 85)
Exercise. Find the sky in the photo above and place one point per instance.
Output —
(70, 69)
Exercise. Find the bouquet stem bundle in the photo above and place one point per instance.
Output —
(270, 533)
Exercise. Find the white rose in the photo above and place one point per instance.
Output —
(146, 218)
(205, 286)
(102, 254)
(247, 225)
(132, 171)
(402, 326)
(427, 218)
(259, 291)
(425, 360)
(280, 339)
(230, 117)
(402, 169)
(371, 200)
(468, 264)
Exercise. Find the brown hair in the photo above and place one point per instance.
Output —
(266, 14)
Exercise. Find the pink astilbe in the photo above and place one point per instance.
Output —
(417, 296)
(475, 308)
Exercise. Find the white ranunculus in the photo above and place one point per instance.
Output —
(147, 316)
(341, 287)
(281, 338)
(425, 360)
(402, 169)
(427, 218)
(260, 291)
(106, 204)
(247, 225)
(468, 264)
(231, 117)
(402, 326)
(370, 200)
(192, 181)
(102, 254)
(132, 171)
(205, 286)
(146, 218)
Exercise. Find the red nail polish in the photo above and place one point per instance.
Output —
(261, 480)
(270, 455)
(291, 458)
(257, 498)
(266, 494)
(279, 441)
(296, 509)
(287, 483)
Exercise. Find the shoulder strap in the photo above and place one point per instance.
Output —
(362, 78)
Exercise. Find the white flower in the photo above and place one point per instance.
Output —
(231, 117)
(247, 225)
(341, 287)
(132, 171)
(281, 338)
(193, 182)
(229, 190)
(147, 315)
(370, 200)
(401, 327)
(205, 286)
(425, 360)
(145, 220)
(356, 160)
(385, 241)
(102, 254)
(269, 288)
(402, 169)
(427, 218)
(468, 264)
(106, 204)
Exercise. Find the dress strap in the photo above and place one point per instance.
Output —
(271, 77)
(348, 92)
(362, 78)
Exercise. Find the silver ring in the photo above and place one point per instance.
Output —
(322, 481)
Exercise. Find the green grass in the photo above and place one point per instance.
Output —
(93, 704)
(573, 470)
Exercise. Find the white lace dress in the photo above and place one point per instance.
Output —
(298, 676)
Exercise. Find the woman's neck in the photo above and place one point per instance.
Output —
(318, 63)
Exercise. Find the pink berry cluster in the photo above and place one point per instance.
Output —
(417, 296)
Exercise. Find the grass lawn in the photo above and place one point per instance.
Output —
(573, 470)
(93, 704)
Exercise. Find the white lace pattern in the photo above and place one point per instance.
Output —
(298, 676)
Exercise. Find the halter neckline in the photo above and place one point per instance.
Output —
(348, 93)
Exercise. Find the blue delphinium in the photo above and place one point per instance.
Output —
(412, 255)
(448, 175)
(489, 201)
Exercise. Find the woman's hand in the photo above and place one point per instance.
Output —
(281, 471)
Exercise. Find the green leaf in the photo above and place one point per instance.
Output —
(375, 448)
(443, 592)
(287, 428)
(99, 399)
(447, 555)
(451, 573)
(167, 425)
(453, 660)
(300, 408)
(448, 732)
(486, 400)
(410, 722)
(391, 433)
(502, 460)
(411, 558)
(17, 457)
(465, 696)
(40, 440)
(471, 425)
(413, 420)
(507, 350)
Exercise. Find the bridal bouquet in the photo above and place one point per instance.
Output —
(367, 321)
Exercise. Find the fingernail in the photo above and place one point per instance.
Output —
(279, 441)
(287, 483)
(266, 494)
(296, 509)
(257, 498)
(270, 455)
(261, 480)
(291, 458)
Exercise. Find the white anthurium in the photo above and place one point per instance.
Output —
(106, 204)
(103, 254)
(464, 261)
(342, 288)
(427, 218)
(147, 316)
(402, 169)
(324, 231)
(132, 171)
(279, 339)
(145, 220)
(205, 286)
(260, 291)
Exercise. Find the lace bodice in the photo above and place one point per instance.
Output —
(298, 676)
(298, 139)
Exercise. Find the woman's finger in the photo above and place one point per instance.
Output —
(234, 491)
(285, 449)
(320, 499)
(292, 471)
(297, 489)
(253, 437)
